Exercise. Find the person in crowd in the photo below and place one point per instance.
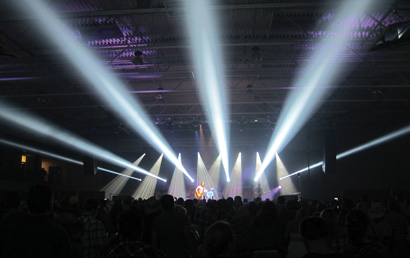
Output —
(219, 241)
(380, 227)
(170, 231)
(151, 208)
(12, 216)
(346, 207)
(128, 241)
(338, 239)
(361, 206)
(360, 246)
(398, 222)
(95, 236)
(116, 210)
(267, 231)
(68, 218)
(315, 234)
(302, 213)
(257, 191)
(36, 235)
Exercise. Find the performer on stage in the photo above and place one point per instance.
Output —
(200, 190)
(257, 192)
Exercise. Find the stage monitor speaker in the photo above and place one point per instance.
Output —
(90, 168)
(329, 159)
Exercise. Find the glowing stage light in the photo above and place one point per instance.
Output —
(203, 175)
(263, 180)
(207, 57)
(288, 186)
(234, 188)
(118, 174)
(304, 170)
(214, 172)
(115, 186)
(41, 127)
(177, 185)
(110, 88)
(147, 188)
(59, 157)
(383, 139)
(309, 90)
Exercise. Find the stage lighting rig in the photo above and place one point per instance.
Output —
(137, 60)
(395, 35)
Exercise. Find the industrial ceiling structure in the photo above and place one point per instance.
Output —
(265, 43)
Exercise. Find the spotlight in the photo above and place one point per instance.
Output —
(203, 32)
(137, 60)
(394, 35)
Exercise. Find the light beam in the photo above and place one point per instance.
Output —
(309, 90)
(207, 57)
(234, 188)
(59, 157)
(43, 128)
(101, 80)
(147, 187)
(115, 186)
(177, 185)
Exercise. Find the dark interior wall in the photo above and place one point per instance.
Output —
(385, 166)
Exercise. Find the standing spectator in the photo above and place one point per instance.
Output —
(12, 216)
(219, 241)
(128, 241)
(398, 222)
(338, 235)
(267, 231)
(380, 226)
(68, 218)
(360, 246)
(36, 235)
(257, 191)
(315, 234)
(94, 232)
(170, 230)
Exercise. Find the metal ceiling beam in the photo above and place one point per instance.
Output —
(324, 4)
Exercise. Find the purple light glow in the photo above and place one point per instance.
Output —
(18, 78)
(271, 193)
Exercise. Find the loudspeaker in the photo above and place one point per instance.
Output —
(90, 168)
(329, 153)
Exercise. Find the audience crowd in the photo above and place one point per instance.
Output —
(178, 228)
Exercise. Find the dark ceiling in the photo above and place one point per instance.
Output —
(266, 43)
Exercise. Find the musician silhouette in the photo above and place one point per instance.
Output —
(200, 190)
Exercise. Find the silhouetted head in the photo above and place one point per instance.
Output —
(357, 226)
(131, 225)
(218, 239)
(167, 202)
(39, 199)
(314, 228)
